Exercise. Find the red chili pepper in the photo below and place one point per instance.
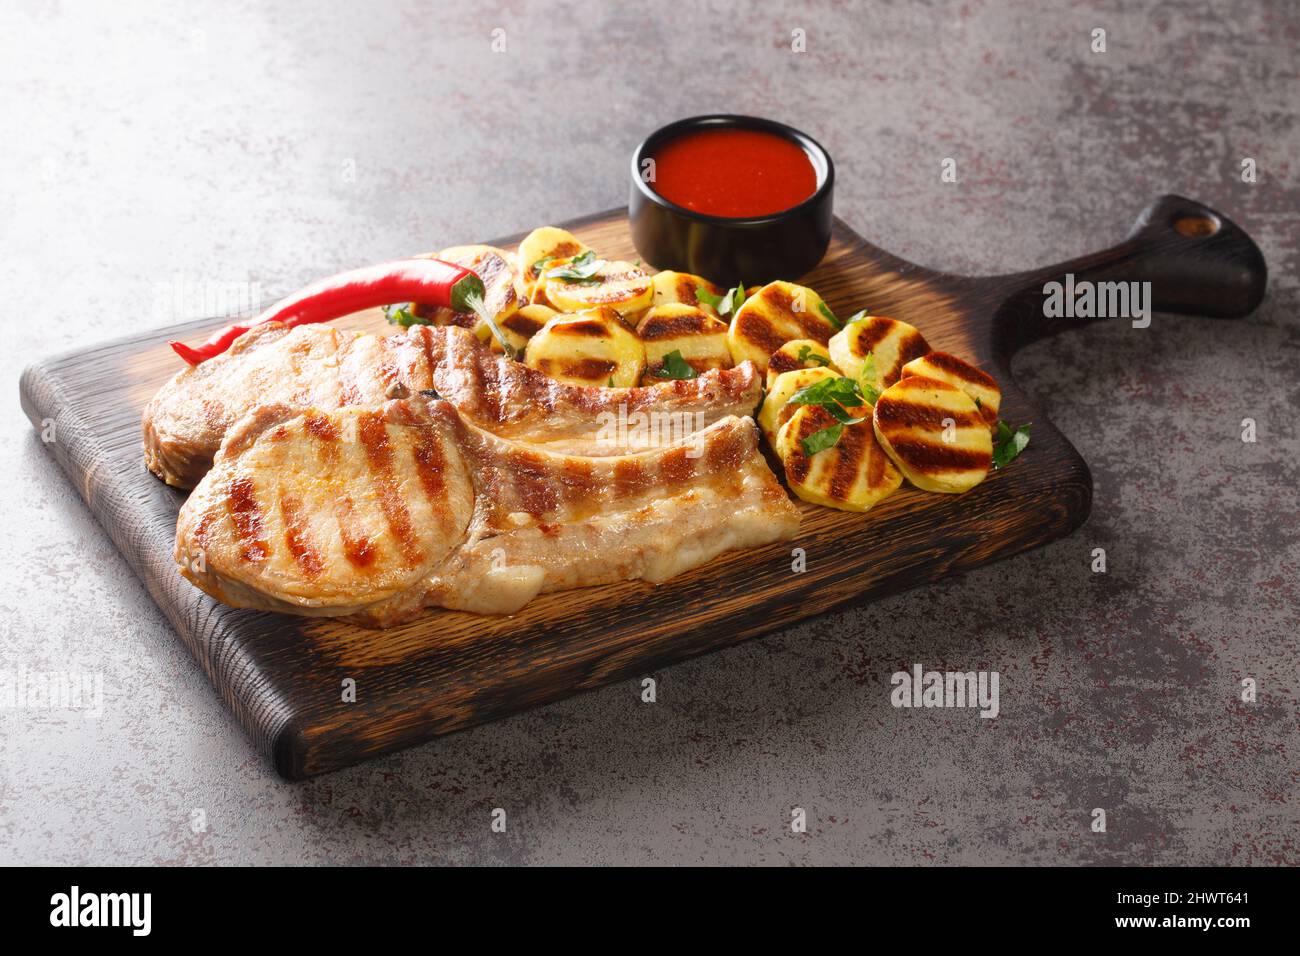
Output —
(426, 281)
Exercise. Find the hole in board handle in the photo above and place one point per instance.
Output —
(1196, 226)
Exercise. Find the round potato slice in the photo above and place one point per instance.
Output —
(854, 474)
(673, 287)
(620, 286)
(699, 338)
(934, 434)
(591, 348)
(775, 411)
(948, 368)
(797, 353)
(521, 326)
(892, 344)
(777, 313)
(538, 249)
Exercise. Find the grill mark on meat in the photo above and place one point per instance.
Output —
(325, 432)
(630, 478)
(379, 455)
(537, 495)
(246, 513)
(203, 530)
(677, 466)
(578, 484)
(724, 450)
(349, 394)
(357, 548)
(296, 536)
(429, 464)
(928, 457)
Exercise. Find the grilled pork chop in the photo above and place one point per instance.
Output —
(318, 366)
(376, 513)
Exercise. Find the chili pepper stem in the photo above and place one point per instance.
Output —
(479, 308)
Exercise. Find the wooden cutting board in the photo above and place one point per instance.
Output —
(283, 676)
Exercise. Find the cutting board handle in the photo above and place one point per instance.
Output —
(1196, 260)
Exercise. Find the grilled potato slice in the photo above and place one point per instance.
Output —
(787, 358)
(934, 433)
(777, 313)
(854, 474)
(494, 267)
(545, 242)
(520, 326)
(591, 348)
(700, 338)
(670, 287)
(948, 368)
(775, 412)
(892, 343)
(620, 286)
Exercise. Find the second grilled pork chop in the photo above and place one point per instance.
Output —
(318, 366)
(375, 513)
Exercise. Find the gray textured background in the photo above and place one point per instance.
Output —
(152, 145)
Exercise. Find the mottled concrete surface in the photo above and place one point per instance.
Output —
(146, 145)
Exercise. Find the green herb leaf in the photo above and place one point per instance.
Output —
(728, 303)
(858, 316)
(830, 316)
(581, 270)
(829, 391)
(1008, 443)
(674, 366)
(708, 298)
(868, 380)
(822, 439)
(806, 355)
(541, 264)
(836, 395)
(733, 300)
(403, 315)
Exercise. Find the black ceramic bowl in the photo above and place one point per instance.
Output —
(783, 245)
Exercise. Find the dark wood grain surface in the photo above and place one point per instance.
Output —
(283, 676)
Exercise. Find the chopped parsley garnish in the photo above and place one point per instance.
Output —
(728, 303)
(835, 395)
(580, 270)
(403, 315)
(806, 355)
(674, 366)
(830, 316)
(868, 380)
(1008, 443)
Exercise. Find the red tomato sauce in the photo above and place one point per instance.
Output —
(735, 173)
